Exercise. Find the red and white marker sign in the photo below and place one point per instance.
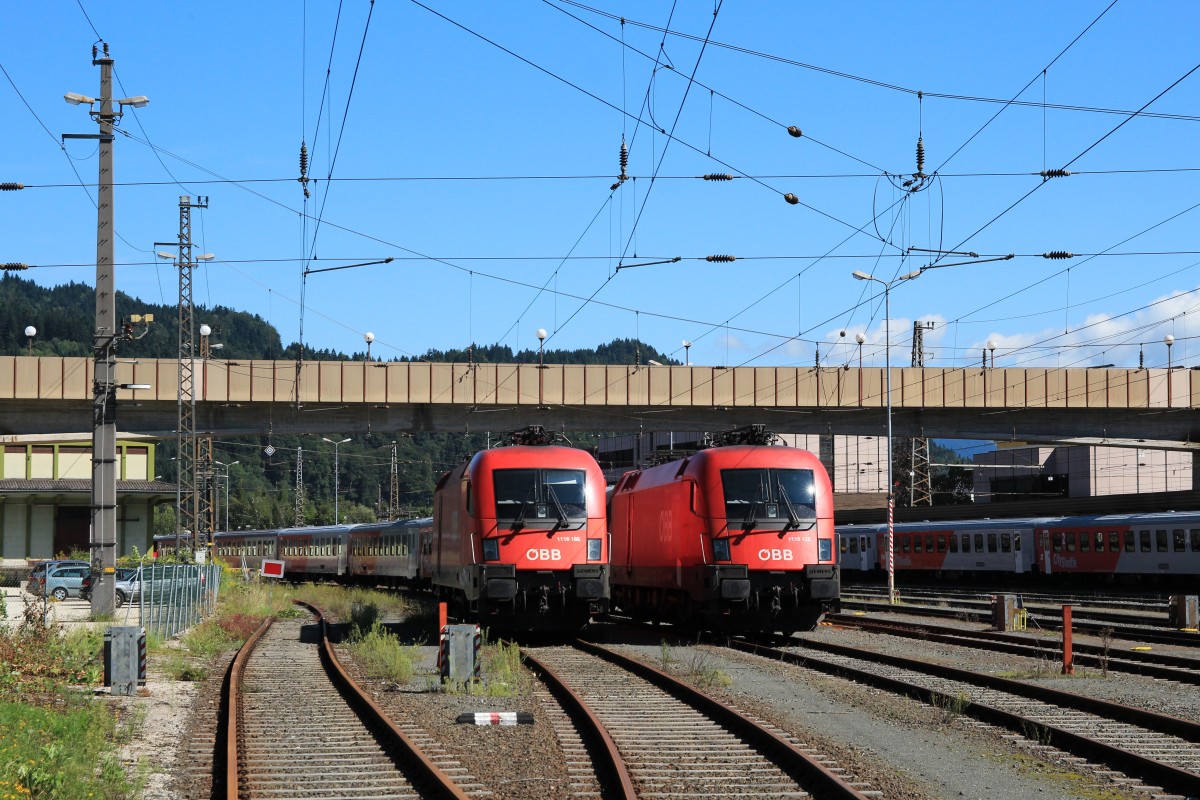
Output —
(271, 569)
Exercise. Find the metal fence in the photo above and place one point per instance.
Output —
(173, 597)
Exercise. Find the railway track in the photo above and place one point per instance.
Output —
(298, 727)
(1122, 627)
(1157, 749)
(653, 736)
(1183, 669)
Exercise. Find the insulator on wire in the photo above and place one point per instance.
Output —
(303, 161)
(720, 259)
(920, 156)
(624, 157)
(1058, 254)
(794, 131)
(718, 176)
(11, 187)
(13, 266)
(1055, 173)
(791, 198)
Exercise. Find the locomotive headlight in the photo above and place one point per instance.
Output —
(491, 549)
(594, 549)
(720, 549)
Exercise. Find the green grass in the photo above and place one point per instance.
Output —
(60, 753)
(381, 655)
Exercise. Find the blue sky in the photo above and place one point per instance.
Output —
(477, 145)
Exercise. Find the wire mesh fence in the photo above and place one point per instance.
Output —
(172, 597)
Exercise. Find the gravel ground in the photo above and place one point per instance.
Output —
(903, 748)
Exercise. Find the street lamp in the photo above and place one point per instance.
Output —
(335, 475)
(541, 334)
(991, 346)
(1168, 340)
(887, 359)
(368, 337)
(687, 346)
(30, 332)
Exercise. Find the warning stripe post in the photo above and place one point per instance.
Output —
(495, 718)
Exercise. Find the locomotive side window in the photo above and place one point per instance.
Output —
(1144, 537)
(1160, 541)
(1178, 542)
(769, 495)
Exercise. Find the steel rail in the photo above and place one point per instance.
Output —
(433, 781)
(611, 765)
(1156, 665)
(1169, 777)
(810, 773)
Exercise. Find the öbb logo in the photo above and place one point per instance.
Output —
(543, 554)
(774, 554)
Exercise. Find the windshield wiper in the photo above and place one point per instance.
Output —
(793, 517)
(562, 512)
(519, 521)
(750, 521)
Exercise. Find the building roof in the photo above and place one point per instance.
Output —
(80, 486)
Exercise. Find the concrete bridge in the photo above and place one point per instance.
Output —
(1134, 407)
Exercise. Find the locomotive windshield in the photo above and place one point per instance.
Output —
(530, 495)
(755, 497)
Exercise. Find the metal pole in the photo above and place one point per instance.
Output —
(891, 498)
(103, 539)
(336, 484)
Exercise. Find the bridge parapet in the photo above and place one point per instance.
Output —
(384, 383)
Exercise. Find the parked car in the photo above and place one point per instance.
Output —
(126, 588)
(39, 569)
(59, 582)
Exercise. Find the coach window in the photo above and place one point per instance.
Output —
(853, 544)
(1130, 544)
(1006, 543)
(1085, 542)
(966, 543)
(1071, 542)
(1196, 540)
(1144, 537)
(979, 543)
(1160, 541)
(953, 543)
(1114, 541)
(941, 542)
(929, 543)
(905, 543)
(991, 542)
(1058, 542)
(917, 548)
(843, 546)
(1178, 541)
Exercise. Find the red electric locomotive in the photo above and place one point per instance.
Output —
(737, 537)
(519, 537)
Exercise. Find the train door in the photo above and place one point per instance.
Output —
(630, 502)
(1046, 552)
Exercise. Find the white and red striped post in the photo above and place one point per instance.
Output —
(891, 550)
